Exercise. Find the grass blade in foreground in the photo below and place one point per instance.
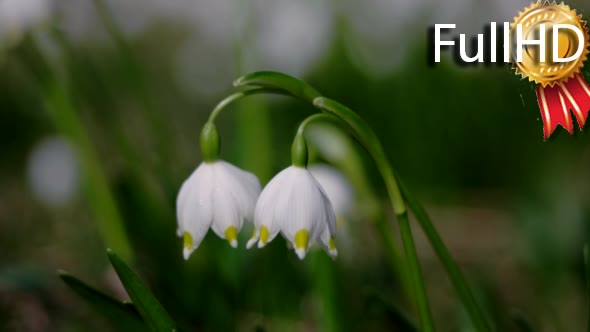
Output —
(123, 316)
(457, 279)
(150, 309)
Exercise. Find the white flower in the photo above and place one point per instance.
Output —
(295, 204)
(217, 195)
(336, 187)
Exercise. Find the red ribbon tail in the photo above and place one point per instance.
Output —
(556, 102)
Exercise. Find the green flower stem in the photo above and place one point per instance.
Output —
(279, 82)
(269, 82)
(99, 196)
(381, 224)
(299, 153)
(239, 95)
(346, 158)
(369, 141)
(397, 262)
(457, 279)
(366, 137)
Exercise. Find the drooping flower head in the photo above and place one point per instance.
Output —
(217, 195)
(294, 204)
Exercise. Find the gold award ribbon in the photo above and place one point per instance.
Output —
(561, 86)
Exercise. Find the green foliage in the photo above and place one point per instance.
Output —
(152, 312)
(122, 315)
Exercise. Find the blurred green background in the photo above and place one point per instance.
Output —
(101, 104)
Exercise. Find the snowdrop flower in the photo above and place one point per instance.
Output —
(217, 195)
(294, 204)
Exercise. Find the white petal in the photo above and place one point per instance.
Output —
(268, 214)
(305, 209)
(327, 243)
(226, 215)
(244, 187)
(295, 204)
(255, 236)
(301, 252)
(193, 206)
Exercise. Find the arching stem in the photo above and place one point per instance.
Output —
(369, 141)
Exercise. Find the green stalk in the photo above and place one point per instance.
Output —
(397, 262)
(369, 141)
(347, 159)
(383, 230)
(271, 82)
(299, 89)
(457, 279)
(99, 196)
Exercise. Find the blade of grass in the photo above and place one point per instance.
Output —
(98, 192)
(150, 309)
(457, 279)
(59, 105)
(121, 314)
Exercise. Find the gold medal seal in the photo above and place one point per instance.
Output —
(548, 73)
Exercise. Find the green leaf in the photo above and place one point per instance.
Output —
(461, 286)
(275, 80)
(121, 314)
(152, 312)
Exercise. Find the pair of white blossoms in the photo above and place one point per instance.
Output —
(221, 196)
